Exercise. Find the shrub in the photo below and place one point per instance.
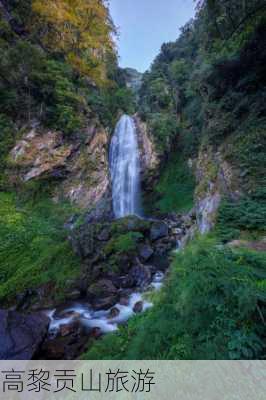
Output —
(210, 308)
(175, 190)
(34, 249)
(7, 138)
(248, 214)
(126, 243)
(164, 129)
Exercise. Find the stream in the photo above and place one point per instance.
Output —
(126, 199)
(103, 320)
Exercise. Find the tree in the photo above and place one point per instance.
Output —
(81, 30)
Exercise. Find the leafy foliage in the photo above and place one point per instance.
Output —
(210, 308)
(126, 243)
(7, 137)
(174, 192)
(248, 214)
(205, 82)
(34, 249)
(80, 30)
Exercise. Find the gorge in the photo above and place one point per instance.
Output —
(114, 184)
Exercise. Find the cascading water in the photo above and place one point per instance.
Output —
(125, 171)
(125, 174)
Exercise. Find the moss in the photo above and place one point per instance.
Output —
(123, 244)
(133, 224)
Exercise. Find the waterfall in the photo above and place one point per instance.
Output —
(125, 171)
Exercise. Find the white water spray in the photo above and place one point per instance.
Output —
(125, 169)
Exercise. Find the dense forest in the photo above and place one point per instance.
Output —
(202, 103)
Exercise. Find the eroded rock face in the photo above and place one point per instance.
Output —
(88, 181)
(149, 157)
(40, 155)
(159, 230)
(215, 178)
(21, 335)
(78, 166)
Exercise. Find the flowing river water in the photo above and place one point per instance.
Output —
(125, 175)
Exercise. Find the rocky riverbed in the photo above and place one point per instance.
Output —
(122, 261)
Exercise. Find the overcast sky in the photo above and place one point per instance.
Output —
(144, 25)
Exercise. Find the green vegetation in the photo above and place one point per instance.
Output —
(208, 87)
(7, 140)
(126, 243)
(210, 308)
(205, 91)
(34, 249)
(248, 215)
(44, 80)
(174, 191)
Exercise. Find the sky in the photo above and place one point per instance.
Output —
(144, 25)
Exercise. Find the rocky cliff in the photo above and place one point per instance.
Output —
(77, 168)
(149, 156)
(216, 178)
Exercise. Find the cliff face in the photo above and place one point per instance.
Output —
(216, 178)
(78, 168)
(149, 157)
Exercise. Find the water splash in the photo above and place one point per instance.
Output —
(125, 169)
(84, 313)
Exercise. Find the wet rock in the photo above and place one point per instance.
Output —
(126, 281)
(82, 240)
(25, 299)
(102, 211)
(62, 314)
(159, 230)
(104, 235)
(104, 303)
(207, 211)
(68, 329)
(141, 275)
(138, 307)
(124, 301)
(96, 333)
(163, 247)
(103, 294)
(21, 335)
(145, 252)
(114, 312)
(103, 288)
(74, 295)
(64, 348)
(177, 231)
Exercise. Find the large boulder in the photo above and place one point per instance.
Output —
(21, 335)
(103, 295)
(159, 230)
(141, 275)
(145, 252)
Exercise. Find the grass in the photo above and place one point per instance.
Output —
(34, 249)
(208, 309)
